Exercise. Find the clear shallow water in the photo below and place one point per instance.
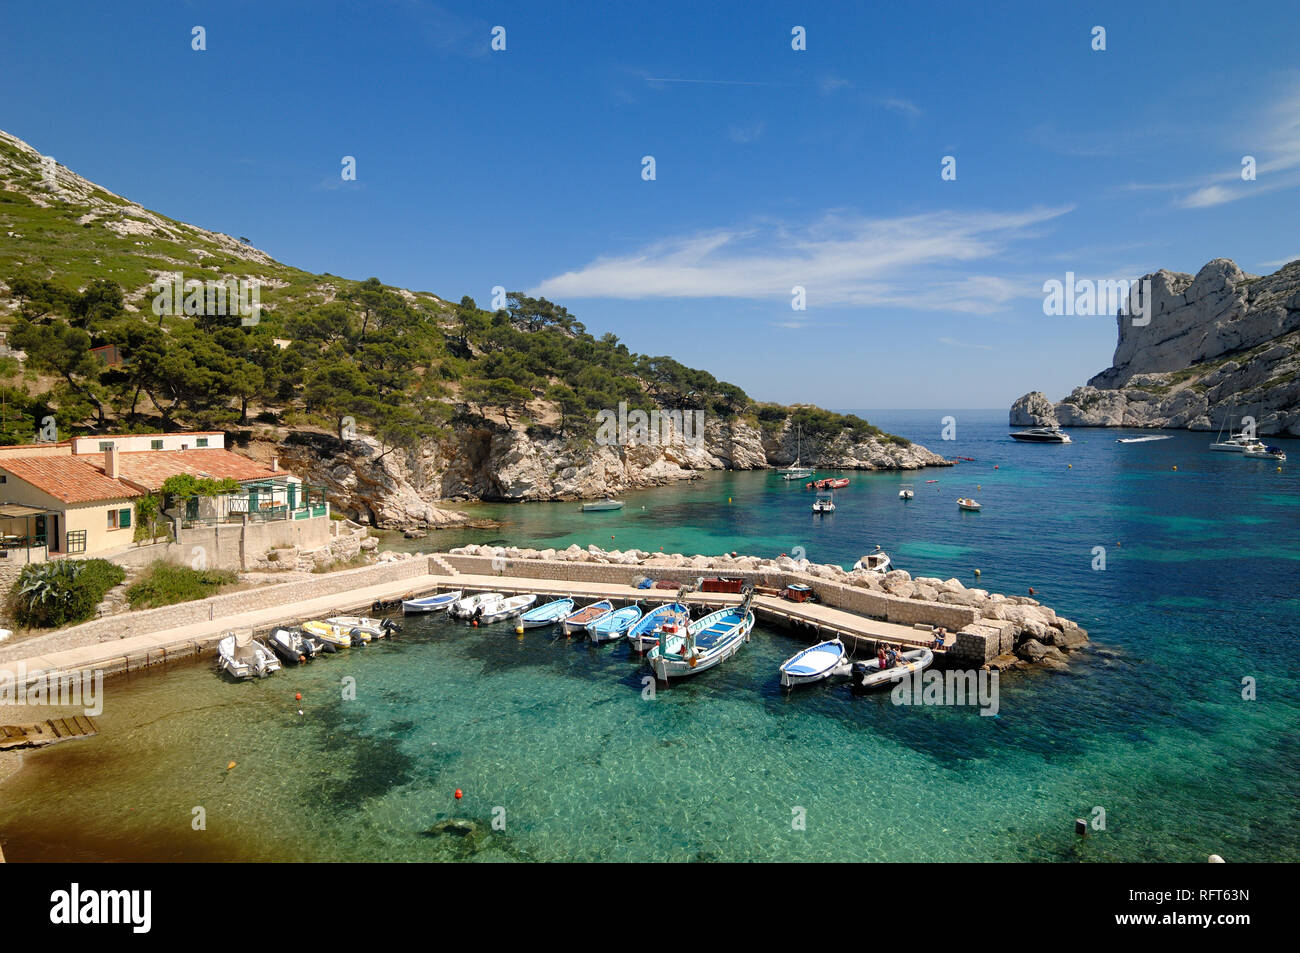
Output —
(1199, 591)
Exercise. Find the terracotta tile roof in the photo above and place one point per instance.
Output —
(149, 468)
(69, 479)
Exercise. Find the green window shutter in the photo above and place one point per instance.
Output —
(124, 519)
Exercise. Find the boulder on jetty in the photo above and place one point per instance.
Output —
(1007, 630)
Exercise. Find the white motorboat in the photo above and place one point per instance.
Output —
(968, 504)
(612, 626)
(504, 608)
(877, 562)
(1143, 439)
(705, 643)
(438, 603)
(1041, 435)
(825, 503)
(243, 656)
(906, 493)
(548, 614)
(601, 505)
(666, 620)
(815, 663)
(866, 675)
(464, 608)
(1259, 451)
(578, 621)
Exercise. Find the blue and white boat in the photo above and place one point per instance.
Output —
(669, 619)
(548, 614)
(705, 643)
(614, 625)
(814, 663)
(436, 603)
(578, 621)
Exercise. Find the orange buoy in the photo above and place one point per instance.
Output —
(298, 697)
(458, 794)
(231, 766)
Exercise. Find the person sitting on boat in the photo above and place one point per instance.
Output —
(891, 657)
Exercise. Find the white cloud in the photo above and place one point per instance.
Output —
(1272, 137)
(746, 132)
(952, 342)
(910, 262)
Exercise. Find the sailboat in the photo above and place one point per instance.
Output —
(1236, 442)
(796, 470)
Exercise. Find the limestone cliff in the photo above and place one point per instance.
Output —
(1218, 345)
(491, 461)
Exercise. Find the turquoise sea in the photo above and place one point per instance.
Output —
(559, 744)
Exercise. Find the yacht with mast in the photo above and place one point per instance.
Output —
(796, 470)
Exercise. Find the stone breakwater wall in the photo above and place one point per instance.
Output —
(990, 628)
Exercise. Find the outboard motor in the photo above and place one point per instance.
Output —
(858, 677)
(391, 625)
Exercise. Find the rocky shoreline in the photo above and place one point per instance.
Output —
(1215, 347)
(1040, 635)
(404, 489)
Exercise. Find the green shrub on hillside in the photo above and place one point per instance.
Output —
(165, 584)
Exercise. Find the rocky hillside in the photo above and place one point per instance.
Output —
(403, 489)
(1219, 345)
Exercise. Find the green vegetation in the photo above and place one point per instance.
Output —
(165, 584)
(348, 356)
(65, 592)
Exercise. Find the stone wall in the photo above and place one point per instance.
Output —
(235, 546)
(263, 597)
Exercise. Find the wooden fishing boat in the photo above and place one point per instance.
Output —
(548, 614)
(814, 664)
(707, 642)
(666, 620)
(578, 621)
(614, 625)
(438, 603)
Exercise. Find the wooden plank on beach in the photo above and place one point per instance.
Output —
(48, 732)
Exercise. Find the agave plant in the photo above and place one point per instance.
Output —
(45, 585)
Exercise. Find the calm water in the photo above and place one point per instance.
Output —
(556, 739)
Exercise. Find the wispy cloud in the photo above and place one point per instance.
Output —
(746, 132)
(1272, 137)
(709, 82)
(1279, 262)
(953, 342)
(913, 261)
(899, 105)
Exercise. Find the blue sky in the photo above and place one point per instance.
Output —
(774, 167)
